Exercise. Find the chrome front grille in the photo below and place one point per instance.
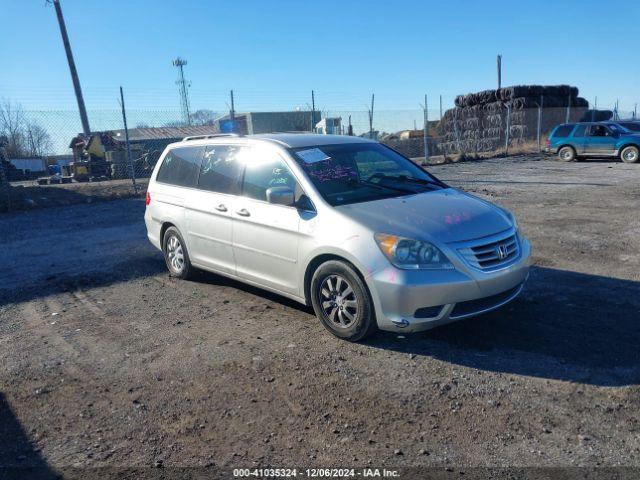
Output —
(492, 253)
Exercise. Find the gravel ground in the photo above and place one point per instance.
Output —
(108, 362)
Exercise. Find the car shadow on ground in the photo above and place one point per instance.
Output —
(201, 276)
(139, 265)
(19, 457)
(565, 326)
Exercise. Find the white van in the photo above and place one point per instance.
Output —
(345, 224)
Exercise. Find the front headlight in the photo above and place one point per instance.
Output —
(412, 254)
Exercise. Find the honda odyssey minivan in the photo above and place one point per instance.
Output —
(347, 225)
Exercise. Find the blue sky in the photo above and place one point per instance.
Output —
(272, 53)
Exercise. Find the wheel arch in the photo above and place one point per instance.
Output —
(560, 147)
(627, 144)
(321, 258)
(165, 226)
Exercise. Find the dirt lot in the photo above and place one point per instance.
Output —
(106, 361)
(29, 195)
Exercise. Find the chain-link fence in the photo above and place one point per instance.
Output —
(44, 148)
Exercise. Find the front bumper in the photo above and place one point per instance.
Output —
(417, 300)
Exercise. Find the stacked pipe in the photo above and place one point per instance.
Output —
(478, 123)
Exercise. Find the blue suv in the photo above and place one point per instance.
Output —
(571, 141)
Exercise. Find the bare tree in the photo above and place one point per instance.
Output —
(12, 123)
(38, 140)
(24, 137)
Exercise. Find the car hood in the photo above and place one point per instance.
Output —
(446, 215)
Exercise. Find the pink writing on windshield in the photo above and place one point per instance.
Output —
(332, 172)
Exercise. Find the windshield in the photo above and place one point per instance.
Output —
(361, 172)
(631, 126)
(618, 128)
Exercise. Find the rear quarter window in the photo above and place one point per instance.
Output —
(180, 166)
(562, 131)
(580, 131)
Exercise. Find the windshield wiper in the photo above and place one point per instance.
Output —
(380, 187)
(405, 179)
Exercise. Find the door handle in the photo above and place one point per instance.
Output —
(243, 213)
(221, 208)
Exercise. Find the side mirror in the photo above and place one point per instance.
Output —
(281, 196)
(305, 204)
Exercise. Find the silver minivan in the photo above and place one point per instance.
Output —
(344, 224)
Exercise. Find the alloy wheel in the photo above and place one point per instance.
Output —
(338, 300)
(175, 253)
(630, 155)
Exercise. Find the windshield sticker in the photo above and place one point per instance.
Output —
(312, 155)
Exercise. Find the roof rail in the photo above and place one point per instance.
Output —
(213, 135)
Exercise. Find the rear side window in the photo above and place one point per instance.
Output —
(563, 131)
(180, 166)
(580, 131)
(221, 169)
(264, 170)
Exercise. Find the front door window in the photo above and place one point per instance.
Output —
(264, 170)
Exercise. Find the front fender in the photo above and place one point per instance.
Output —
(368, 259)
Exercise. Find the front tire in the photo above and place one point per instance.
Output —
(342, 302)
(175, 254)
(567, 154)
(630, 154)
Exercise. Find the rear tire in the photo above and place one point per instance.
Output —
(342, 302)
(567, 154)
(630, 154)
(175, 254)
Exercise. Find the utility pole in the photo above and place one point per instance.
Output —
(539, 131)
(72, 68)
(183, 86)
(499, 71)
(425, 133)
(371, 116)
(126, 139)
(635, 111)
(440, 107)
(232, 112)
(313, 110)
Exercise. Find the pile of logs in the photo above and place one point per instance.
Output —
(479, 121)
